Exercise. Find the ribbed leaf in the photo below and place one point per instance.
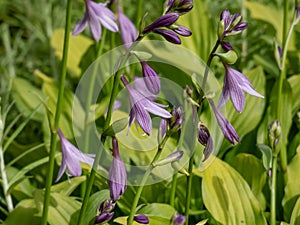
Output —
(228, 197)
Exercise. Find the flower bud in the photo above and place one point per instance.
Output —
(205, 139)
(164, 21)
(177, 118)
(163, 127)
(274, 133)
(141, 218)
(175, 156)
(169, 35)
(178, 219)
(181, 30)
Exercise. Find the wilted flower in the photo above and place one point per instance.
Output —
(128, 30)
(177, 118)
(151, 78)
(227, 129)
(117, 177)
(105, 211)
(96, 15)
(205, 139)
(141, 107)
(141, 218)
(235, 84)
(71, 158)
(178, 219)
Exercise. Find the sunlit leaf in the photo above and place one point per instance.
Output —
(295, 218)
(78, 45)
(294, 81)
(228, 197)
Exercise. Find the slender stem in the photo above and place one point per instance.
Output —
(173, 189)
(114, 93)
(273, 191)
(8, 198)
(189, 188)
(283, 153)
(285, 20)
(211, 56)
(57, 114)
(139, 12)
(144, 180)
(244, 35)
(89, 102)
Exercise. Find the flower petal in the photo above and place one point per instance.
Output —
(80, 25)
(143, 118)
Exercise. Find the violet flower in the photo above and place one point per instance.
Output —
(227, 129)
(128, 30)
(117, 177)
(169, 35)
(178, 219)
(151, 78)
(235, 84)
(205, 139)
(182, 30)
(71, 158)
(180, 6)
(96, 15)
(141, 107)
(163, 21)
(141, 218)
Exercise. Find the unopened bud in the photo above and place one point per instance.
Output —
(177, 118)
(175, 156)
(141, 218)
(274, 133)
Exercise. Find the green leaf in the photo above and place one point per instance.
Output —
(294, 82)
(68, 186)
(295, 218)
(28, 98)
(24, 213)
(78, 45)
(266, 155)
(292, 191)
(116, 127)
(255, 177)
(228, 197)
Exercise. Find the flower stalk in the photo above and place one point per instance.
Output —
(57, 114)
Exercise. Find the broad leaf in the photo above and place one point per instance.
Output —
(294, 82)
(295, 218)
(228, 197)
(78, 45)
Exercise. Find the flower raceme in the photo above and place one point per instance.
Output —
(71, 158)
(96, 15)
(235, 84)
(141, 106)
(117, 177)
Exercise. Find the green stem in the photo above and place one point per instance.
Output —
(144, 180)
(89, 102)
(57, 114)
(273, 191)
(191, 162)
(114, 93)
(285, 20)
(283, 153)
(173, 189)
(211, 56)
(139, 12)
(189, 188)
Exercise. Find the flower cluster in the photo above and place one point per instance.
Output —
(165, 25)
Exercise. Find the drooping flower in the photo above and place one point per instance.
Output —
(105, 211)
(128, 30)
(235, 84)
(117, 177)
(151, 78)
(227, 129)
(71, 158)
(141, 218)
(178, 219)
(205, 139)
(96, 15)
(141, 106)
